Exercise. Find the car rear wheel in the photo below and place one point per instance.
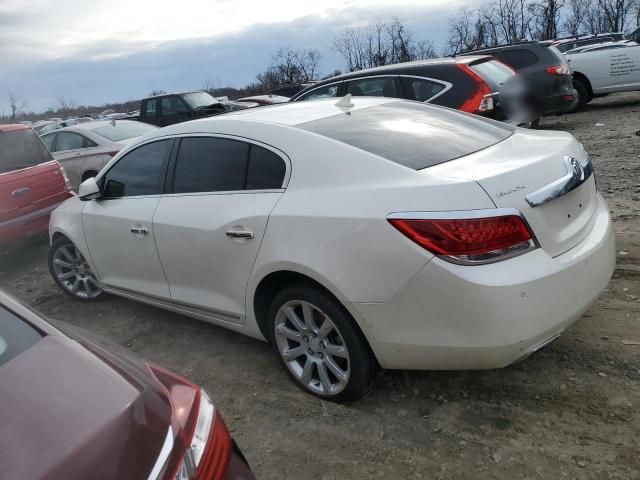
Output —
(71, 271)
(319, 344)
(583, 94)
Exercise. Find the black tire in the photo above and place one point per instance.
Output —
(88, 174)
(361, 363)
(55, 247)
(583, 94)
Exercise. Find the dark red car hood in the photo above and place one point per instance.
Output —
(69, 412)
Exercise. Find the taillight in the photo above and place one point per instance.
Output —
(67, 183)
(559, 70)
(468, 241)
(481, 100)
(203, 444)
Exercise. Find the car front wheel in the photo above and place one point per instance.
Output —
(319, 344)
(71, 271)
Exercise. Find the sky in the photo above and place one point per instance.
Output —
(100, 51)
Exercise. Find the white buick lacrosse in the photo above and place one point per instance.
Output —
(352, 236)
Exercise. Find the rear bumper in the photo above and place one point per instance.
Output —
(26, 225)
(451, 317)
(559, 105)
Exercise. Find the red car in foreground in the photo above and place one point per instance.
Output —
(75, 406)
(32, 183)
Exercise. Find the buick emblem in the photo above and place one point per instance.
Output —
(578, 171)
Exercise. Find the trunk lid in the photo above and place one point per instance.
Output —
(527, 162)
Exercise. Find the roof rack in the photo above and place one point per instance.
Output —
(522, 42)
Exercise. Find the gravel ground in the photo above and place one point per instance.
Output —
(570, 411)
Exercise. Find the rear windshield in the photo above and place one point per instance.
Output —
(16, 336)
(411, 134)
(493, 71)
(123, 130)
(557, 55)
(21, 149)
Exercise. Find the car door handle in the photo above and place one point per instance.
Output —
(139, 231)
(239, 234)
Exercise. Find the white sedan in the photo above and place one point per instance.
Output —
(382, 234)
(85, 148)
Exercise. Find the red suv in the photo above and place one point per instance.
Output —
(32, 183)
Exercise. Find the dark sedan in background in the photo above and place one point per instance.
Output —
(75, 406)
(472, 84)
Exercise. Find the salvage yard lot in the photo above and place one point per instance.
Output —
(570, 411)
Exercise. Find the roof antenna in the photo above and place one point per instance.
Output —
(345, 102)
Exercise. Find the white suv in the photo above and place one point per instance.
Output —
(386, 233)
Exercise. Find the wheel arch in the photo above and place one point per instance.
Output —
(583, 78)
(275, 280)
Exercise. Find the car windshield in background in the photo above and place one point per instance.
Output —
(16, 336)
(21, 149)
(123, 130)
(492, 70)
(414, 135)
(199, 99)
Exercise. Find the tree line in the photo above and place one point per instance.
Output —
(380, 43)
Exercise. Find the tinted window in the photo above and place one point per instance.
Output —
(48, 141)
(150, 108)
(519, 58)
(210, 165)
(412, 134)
(21, 149)
(373, 87)
(172, 106)
(266, 169)
(327, 91)
(69, 141)
(197, 99)
(492, 71)
(123, 130)
(16, 336)
(421, 89)
(139, 172)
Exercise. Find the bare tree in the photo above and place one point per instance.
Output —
(66, 105)
(616, 13)
(290, 67)
(16, 105)
(379, 43)
(574, 20)
(545, 18)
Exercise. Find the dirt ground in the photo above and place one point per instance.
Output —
(570, 411)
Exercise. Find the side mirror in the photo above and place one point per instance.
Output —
(89, 190)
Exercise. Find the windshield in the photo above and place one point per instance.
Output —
(199, 99)
(16, 336)
(124, 130)
(21, 149)
(493, 71)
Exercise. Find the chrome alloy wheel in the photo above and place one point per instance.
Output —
(312, 347)
(73, 273)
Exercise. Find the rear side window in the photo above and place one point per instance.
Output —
(520, 58)
(150, 108)
(48, 141)
(266, 169)
(492, 71)
(16, 336)
(421, 89)
(21, 149)
(327, 91)
(72, 141)
(373, 87)
(139, 172)
(210, 165)
(414, 135)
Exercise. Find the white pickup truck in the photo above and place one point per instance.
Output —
(606, 68)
